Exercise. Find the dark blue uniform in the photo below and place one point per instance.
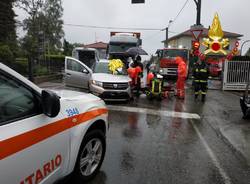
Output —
(200, 74)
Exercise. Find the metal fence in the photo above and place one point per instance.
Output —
(53, 66)
(236, 74)
(40, 67)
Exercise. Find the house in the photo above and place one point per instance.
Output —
(100, 46)
(185, 38)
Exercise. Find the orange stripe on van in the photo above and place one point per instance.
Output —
(27, 139)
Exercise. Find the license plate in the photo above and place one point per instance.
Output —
(113, 94)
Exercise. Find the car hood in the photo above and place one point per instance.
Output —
(75, 95)
(105, 77)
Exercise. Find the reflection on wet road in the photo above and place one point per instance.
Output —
(144, 145)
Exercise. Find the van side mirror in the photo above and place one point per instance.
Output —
(50, 103)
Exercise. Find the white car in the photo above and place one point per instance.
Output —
(45, 136)
(98, 81)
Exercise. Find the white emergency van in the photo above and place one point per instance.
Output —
(45, 135)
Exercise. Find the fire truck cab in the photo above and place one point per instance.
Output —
(166, 65)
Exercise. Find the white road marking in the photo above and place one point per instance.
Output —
(174, 114)
(211, 154)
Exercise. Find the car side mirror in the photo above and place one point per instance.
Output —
(84, 70)
(50, 103)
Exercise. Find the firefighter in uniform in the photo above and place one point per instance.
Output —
(200, 75)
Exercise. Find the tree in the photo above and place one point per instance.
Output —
(44, 26)
(53, 23)
(6, 55)
(7, 25)
(67, 48)
(7, 21)
(30, 25)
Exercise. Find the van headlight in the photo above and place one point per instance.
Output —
(97, 83)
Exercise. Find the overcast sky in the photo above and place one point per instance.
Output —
(234, 16)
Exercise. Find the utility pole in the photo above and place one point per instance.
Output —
(198, 8)
(166, 43)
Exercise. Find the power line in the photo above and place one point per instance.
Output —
(157, 33)
(152, 36)
(176, 16)
(106, 27)
(180, 11)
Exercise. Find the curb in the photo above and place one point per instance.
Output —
(46, 78)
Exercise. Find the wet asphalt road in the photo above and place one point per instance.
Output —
(145, 147)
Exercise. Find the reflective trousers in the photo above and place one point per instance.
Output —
(200, 87)
(180, 86)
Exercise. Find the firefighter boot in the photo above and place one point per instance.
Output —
(182, 94)
(196, 96)
(203, 98)
(177, 93)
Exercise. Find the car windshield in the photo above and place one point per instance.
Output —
(102, 67)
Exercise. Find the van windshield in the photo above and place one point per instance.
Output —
(115, 47)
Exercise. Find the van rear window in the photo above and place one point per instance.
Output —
(87, 58)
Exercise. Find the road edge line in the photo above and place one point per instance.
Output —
(211, 154)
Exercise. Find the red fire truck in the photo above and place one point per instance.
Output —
(215, 66)
(166, 65)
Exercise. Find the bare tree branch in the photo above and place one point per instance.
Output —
(30, 6)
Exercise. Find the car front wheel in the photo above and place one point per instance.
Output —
(91, 155)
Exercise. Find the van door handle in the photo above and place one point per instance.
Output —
(68, 74)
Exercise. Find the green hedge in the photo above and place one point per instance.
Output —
(55, 58)
(6, 55)
(21, 66)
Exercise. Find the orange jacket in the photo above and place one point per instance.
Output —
(182, 67)
(134, 72)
